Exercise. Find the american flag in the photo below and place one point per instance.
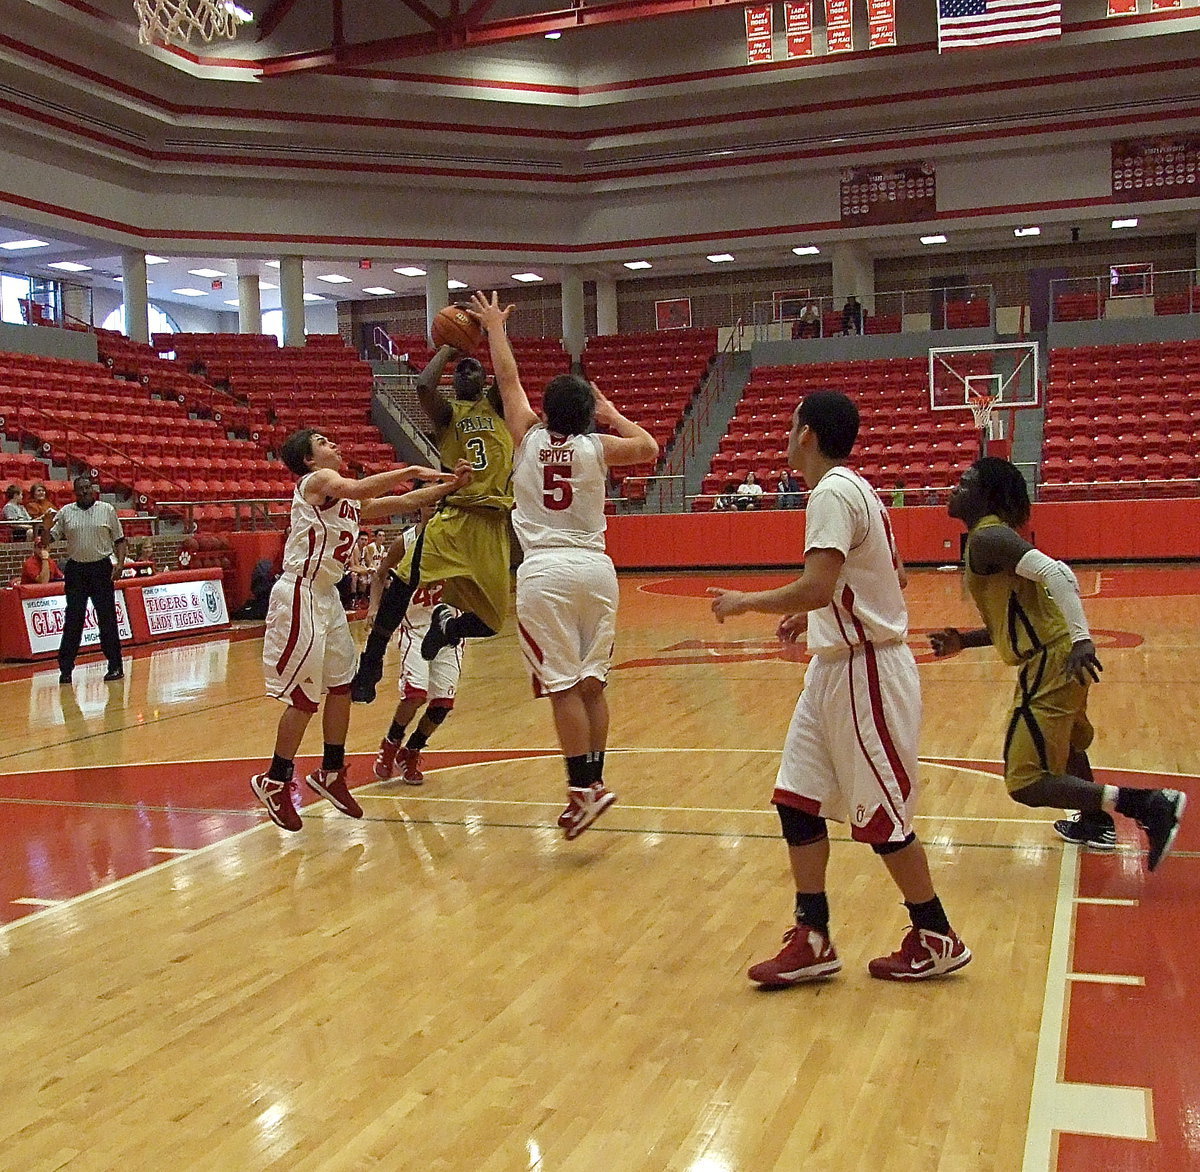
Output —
(980, 24)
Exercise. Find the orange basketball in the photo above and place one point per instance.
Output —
(455, 327)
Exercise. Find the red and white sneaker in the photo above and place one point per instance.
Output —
(410, 766)
(922, 954)
(385, 759)
(807, 955)
(279, 797)
(331, 785)
(584, 806)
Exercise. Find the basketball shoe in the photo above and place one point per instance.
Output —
(1096, 832)
(584, 806)
(385, 759)
(410, 766)
(436, 638)
(922, 954)
(807, 955)
(279, 797)
(331, 784)
(1160, 820)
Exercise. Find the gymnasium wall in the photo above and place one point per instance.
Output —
(1075, 531)
(49, 343)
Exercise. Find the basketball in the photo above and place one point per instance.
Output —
(455, 327)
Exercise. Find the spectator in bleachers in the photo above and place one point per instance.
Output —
(39, 567)
(143, 553)
(788, 488)
(374, 552)
(749, 492)
(359, 569)
(15, 510)
(852, 316)
(38, 503)
(728, 499)
(808, 324)
(898, 494)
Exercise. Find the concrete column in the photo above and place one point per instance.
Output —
(249, 301)
(606, 305)
(133, 290)
(291, 298)
(853, 273)
(1198, 251)
(437, 296)
(572, 311)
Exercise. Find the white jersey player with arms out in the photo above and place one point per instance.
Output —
(308, 652)
(566, 585)
(851, 748)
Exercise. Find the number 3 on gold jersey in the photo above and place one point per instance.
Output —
(478, 453)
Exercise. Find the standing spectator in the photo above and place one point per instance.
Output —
(38, 503)
(39, 567)
(749, 492)
(788, 488)
(15, 510)
(898, 494)
(852, 316)
(93, 535)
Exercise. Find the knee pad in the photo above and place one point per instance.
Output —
(436, 713)
(890, 848)
(799, 827)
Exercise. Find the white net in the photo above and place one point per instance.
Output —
(183, 20)
(982, 407)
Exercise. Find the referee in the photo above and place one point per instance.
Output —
(93, 535)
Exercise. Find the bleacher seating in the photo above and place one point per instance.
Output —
(1079, 306)
(900, 438)
(1120, 422)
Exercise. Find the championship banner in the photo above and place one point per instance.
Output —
(44, 618)
(839, 26)
(1156, 168)
(1163, 5)
(798, 27)
(760, 44)
(881, 23)
(1122, 7)
(184, 606)
(895, 194)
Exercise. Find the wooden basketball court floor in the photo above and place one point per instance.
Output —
(450, 985)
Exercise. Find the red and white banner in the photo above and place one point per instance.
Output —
(798, 27)
(1122, 7)
(760, 34)
(839, 26)
(184, 606)
(44, 622)
(881, 22)
(898, 193)
(1156, 168)
(1163, 5)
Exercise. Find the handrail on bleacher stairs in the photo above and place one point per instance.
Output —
(383, 340)
(394, 393)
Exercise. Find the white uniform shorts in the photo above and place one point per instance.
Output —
(307, 649)
(851, 749)
(421, 680)
(566, 616)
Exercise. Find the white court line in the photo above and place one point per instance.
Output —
(33, 902)
(1106, 979)
(170, 850)
(1101, 901)
(1077, 1108)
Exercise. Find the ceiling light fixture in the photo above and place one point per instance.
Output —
(1130, 223)
(380, 291)
(410, 271)
(720, 258)
(190, 292)
(1027, 232)
(156, 260)
(313, 297)
(334, 279)
(806, 250)
(933, 239)
(17, 245)
(526, 278)
(457, 285)
(211, 274)
(637, 264)
(69, 266)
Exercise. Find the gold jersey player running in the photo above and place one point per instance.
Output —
(465, 544)
(1033, 616)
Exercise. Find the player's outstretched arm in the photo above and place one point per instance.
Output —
(325, 483)
(950, 640)
(418, 498)
(430, 398)
(519, 416)
(632, 444)
(811, 591)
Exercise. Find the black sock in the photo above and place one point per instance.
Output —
(930, 915)
(467, 626)
(418, 741)
(333, 758)
(812, 908)
(595, 767)
(280, 769)
(395, 733)
(577, 772)
(1133, 803)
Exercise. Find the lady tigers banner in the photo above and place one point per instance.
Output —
(839, 26)
(798, 27)
(881, 23)
(760, 34)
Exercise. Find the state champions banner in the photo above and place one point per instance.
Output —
(45, 614)
(881, 24)
(1156, 168)
(760, 34)
(174, 607)
(897, 193)
(798, 27)
(839, 26)
(1122, 7)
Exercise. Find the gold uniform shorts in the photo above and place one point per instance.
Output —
(1048, 720)
(468, 551)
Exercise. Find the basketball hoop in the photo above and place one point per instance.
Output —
(181, 20)
(982, 407)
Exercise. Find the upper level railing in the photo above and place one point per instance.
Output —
(1125, 291)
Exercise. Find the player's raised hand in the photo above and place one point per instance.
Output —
(488, 313)
(727, 603)
(463, 474)
(606, 413)
(947, 641)
(1082, 664)
(791, 627)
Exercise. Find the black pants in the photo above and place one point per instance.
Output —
(83, 581)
